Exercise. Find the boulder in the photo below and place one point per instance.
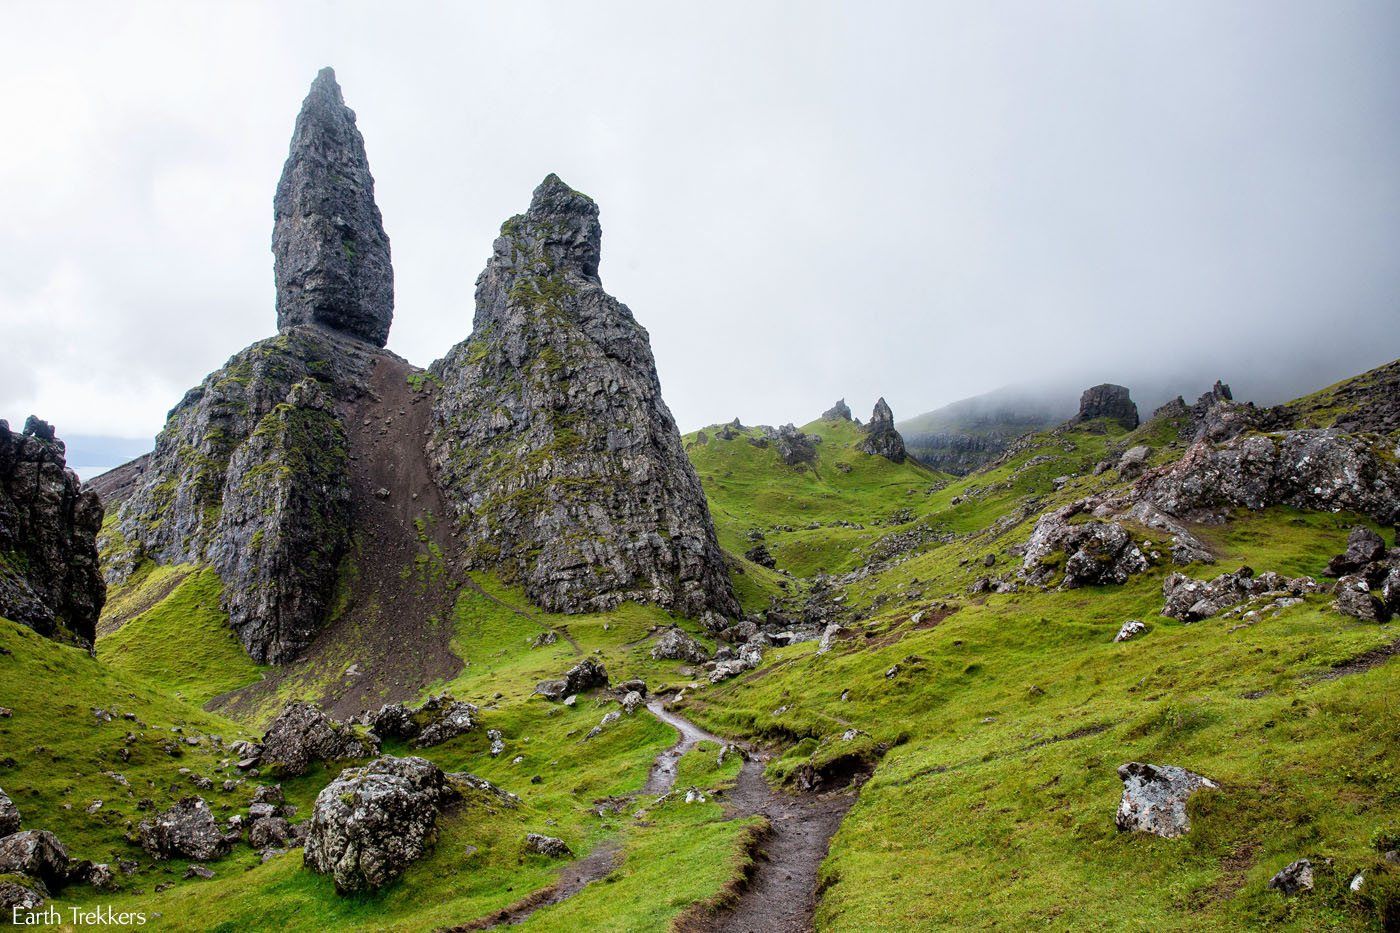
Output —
(760, 555)
(547, 845)
(445, 718)
(186, 830)
(881, 438)
(585, 675)
(1094, 552)
(632, 702)
(1131, 629)
(392, 721)
(1189, 600)
(35, 853)
(18, 899)
(371, 823)
(749, 656)
(1134, 461)
(9, 816)
(1364, 547)
(1294, 878)
(792, 445)
(1154, 798)
(273, 832)
(1354, 599)
(302, 735)
(675, 645)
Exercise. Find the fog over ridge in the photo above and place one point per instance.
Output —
(919, 201)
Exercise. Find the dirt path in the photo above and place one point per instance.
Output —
(781, 895)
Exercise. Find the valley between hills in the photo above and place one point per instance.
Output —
(366, 646)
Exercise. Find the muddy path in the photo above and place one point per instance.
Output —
(781, 894)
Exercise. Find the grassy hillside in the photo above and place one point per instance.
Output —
(994, 723)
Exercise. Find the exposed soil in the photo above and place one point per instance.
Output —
(1363, 662)
(396, 625)
(777, 895)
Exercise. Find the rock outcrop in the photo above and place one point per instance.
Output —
(437, 720)
(1324, 470)
(49, 575)
(881, 438)
(792, 445)
(1188, 600)
(371, 823)
(587, 674)
(1089, 553)
(1154, 798)
(186, 830)
(331, 252)
(838, 412)
(675, 645)
(302, 735)
(562, 462)
(37, 854)
(1107, 401)
(251, 473)
(9, 816)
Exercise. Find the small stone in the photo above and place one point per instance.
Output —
(1294, 878)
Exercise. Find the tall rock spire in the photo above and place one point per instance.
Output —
(881, 437)
(331, 253)
(552, 442)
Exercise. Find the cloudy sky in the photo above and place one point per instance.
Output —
(800, 200)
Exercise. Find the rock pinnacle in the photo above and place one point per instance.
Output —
(331, 253)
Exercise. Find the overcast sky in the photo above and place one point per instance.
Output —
(800, 201)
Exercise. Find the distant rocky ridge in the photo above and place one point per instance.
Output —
(49, 577)
(960, 437)
(551, 439)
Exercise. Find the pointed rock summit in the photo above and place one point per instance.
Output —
(331, 252)
(838, 412)
(551, 439)
(881, 437)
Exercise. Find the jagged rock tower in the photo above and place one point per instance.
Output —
(49, 578)
(251, 473)
(331, 252)
(881, 438)
(552, 441)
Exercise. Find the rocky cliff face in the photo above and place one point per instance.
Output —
(881, 437)
(331, 252)
(249, 475)
(252, 472)
(551, 439)
(49, 578)
(1108, 401)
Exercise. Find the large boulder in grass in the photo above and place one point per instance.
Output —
(1364, 547)
(439, 718)
(1154, 798)
(587, 674)
(1091, 553)
(186, 830)
(302, 735)
(1354, 599)
(37, 854)
(371, 823)
(9, 816)
(675, 645)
